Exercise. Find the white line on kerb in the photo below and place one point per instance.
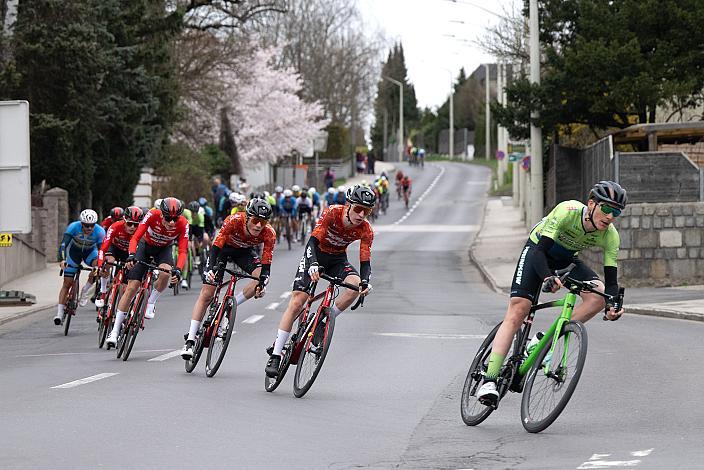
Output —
(273, 305)
(90, 379)
(253, 319)
(286, 295)
(83, 353)
(166, 356)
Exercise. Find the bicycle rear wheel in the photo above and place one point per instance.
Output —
(472, 411)
(197, 351)
(108, 317)
(220, 337)
(271, 383)
(546, 394)
(311, 360)
(135, 325)
(288, 233)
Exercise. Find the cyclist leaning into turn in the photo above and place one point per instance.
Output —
(337, 227)
(554, 243)
(239, 236)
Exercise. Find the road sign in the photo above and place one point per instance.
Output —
(5, 240)
(15, 178)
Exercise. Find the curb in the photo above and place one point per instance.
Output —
(678, 315)
(488, 280)
(30, 311)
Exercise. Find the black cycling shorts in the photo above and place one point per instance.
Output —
(526, 280)
(115, 252)
(333, 265)
(246, 259)
(196, 232)
(149, 254)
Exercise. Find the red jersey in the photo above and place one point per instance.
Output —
(155, 233)
(334, 237)
(118, 236)
(234, 233)
(106, 223)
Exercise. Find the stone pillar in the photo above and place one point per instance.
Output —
(55, 201)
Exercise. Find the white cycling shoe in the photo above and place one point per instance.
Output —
(111, 340)
(487, 393)
(150, 311)
(184, 284)
(83, 300)
(100, 302)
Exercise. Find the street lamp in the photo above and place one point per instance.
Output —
(400, 114)
(452, 113)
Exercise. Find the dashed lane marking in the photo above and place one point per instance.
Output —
(286, 295)
(253, 319)
(86, 380)
(432, 335)
(599, 461)
(273, 305)
(422, 196)
(166, 356)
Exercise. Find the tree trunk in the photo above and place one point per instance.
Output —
(227, 142)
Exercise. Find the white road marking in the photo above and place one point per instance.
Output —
(422, 196)
(166, 356)
(273, 305)
(84, 353)
(426, 228)
(253, 319)
(286, 295)
(432, 335)
(642, 453)
(86, 380)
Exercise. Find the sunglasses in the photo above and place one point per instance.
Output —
(361, 210)
(88, 225)
(610, 210)
(258, 220)
(170, 219)
(131, 224)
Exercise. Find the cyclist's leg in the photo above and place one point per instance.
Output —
(340, 267)
(63, 292)
(591, 303)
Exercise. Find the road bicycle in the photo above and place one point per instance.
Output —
(135, 316)
(306, 224)
(309, 345)
(548, 373)
(106, 314)
(216, 330)
(72, 297)
(188, 272)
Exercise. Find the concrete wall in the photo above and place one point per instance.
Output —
(661, 245)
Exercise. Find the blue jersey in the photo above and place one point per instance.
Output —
(288, 206)
(78, 243)
(340, 198)
(330, 199)
(316, 199)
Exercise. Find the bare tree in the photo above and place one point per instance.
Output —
(508, 40)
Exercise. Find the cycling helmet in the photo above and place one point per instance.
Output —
(203, 201)
(133, 214)
(288, 193)
(194, 206)
(157, 203)
(331, 191)
(295, 188)
(89, 216)
(266, 194)
(259, 208)
(171, 207)
(116, 213)
(361, 195)
(610, 193)
(341, 188)
(278, 189)
(304, 195)
(237, 198)
(312, 190)
(258, 196)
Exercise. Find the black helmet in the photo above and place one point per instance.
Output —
(610, 193)
(194, 206)
(361, 195)
(258, 208)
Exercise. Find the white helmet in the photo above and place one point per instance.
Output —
(89, 216)
(237, 198)
(267, 194)
(288, 193)
(331, 191)
(312, 190)
(157, 203)
(341, 188)
(278, 189)
(295, 188)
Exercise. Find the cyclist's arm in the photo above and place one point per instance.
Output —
(612, 242)
(104, 246)
(182, 243)
(312, 250)
(139, 233)
(365, 255)
(64, 244)
(541, 257)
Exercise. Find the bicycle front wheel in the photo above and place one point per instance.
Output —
(197, 352)
(472, 411)
(135, 325)
(220, 337)
(312, 357)
(546, 393)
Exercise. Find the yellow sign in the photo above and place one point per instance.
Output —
(5, 239)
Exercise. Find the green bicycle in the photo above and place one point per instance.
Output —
(548, 374)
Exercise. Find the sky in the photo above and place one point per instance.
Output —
(422, 26)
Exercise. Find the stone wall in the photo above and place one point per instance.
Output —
(661, 245)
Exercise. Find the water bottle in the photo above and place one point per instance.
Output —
(530, 347)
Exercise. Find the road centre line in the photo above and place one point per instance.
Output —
(432, 335)
(166, 356)
(86, 380)
(285, 295)
(273, 305)
(253, 319)
(422, 196)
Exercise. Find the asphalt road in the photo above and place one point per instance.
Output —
(388, 394)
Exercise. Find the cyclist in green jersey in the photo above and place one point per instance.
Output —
(199, 237)
(554, 243)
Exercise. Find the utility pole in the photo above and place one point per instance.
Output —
(499, 129)
(536, 134)
(400, 116)
(386, 138)
(487, 113)
(452, 119)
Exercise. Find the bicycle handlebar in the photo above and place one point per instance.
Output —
(80, 268)
(339, 282)
(153, 266)
(239, 275)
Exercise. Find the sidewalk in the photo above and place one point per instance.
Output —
(496, 249)
(44, 285)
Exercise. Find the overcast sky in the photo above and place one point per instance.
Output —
(422, 25)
